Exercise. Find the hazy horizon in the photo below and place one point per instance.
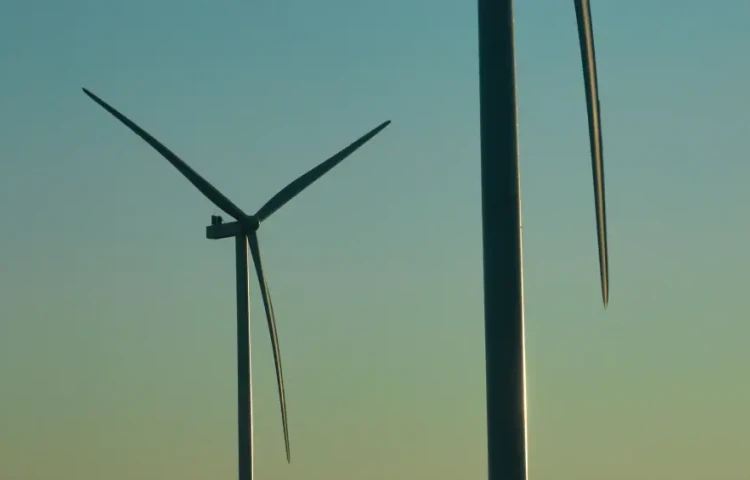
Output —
(117, 334)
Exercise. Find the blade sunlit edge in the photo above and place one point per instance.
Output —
(255, 252)
(199, 182)
(588, 57)
(305, 180)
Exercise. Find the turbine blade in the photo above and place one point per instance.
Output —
(255, 252)
(200, 183)
(588, 57)
(304, 181)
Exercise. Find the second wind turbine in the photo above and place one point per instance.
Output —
(244, 230)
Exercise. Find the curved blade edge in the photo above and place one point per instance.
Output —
(305, 180)
(199, 182)
(588, 57)
(255, 252)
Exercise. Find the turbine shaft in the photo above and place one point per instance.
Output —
(255, 252)
(588, 57)
(199, 182)
(305, 180)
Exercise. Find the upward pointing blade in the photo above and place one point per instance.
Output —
(255, 252)
(588, 57)
(304, 181)
(200, 183)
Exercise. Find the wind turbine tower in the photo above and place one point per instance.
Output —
(501, 227)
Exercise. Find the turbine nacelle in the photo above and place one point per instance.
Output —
(218, 230)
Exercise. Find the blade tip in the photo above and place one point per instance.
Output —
(89, 93)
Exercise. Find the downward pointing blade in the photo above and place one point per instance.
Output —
(304, 181)
(588, 57)
(255, 252)
(200, 183)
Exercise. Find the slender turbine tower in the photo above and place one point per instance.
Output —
(244, 230)
(501, 227)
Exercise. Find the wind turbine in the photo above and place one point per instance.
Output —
(501, 227)
(244, 230)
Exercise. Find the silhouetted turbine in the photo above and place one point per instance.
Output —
(245, 228)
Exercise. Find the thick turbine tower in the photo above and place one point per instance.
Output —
(501, 227)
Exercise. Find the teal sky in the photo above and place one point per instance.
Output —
(117, 335)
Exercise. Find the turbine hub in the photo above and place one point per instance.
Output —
(251, 223)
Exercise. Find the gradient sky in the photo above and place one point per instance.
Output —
(117, 335)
